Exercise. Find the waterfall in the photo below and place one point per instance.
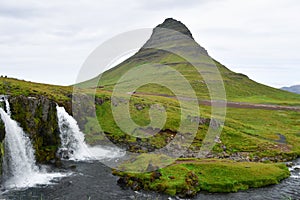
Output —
(7, 107)
(19, 158)
(19, 168)
(73, 144)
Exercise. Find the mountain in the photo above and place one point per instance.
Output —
(165, 36)
(294, 89)
(253, 125)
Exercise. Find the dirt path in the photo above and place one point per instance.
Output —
(229, 104)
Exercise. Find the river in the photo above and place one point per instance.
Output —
(93, 181)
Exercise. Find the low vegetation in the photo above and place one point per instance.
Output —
(186, 177)
(15, 87)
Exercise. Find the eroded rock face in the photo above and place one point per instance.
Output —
(38, 118)
(165, 35)
(2, 135)
(2, 130)
(82, 106)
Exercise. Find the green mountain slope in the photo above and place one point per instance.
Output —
(238, 86)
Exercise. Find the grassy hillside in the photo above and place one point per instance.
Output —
(14, 87)
(255, 131)
(167, 48)
(238, 86)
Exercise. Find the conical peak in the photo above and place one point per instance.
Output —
(175, 25)
(172, 34)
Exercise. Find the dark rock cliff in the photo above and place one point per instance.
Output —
(2, 135)
(171, 34)
(38, 118)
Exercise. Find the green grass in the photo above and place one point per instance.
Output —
(14, 87)
(255, 131)
(210, 175)
(246, 130)
(238, 86)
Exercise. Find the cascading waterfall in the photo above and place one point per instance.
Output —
(73, 144)
(19, 164)
(19, 168)
(7, 107)
(19, 154)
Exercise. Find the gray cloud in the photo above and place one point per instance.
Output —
(14, 9)
(161, 5)
(38, 39)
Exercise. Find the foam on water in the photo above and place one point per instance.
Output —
(73, 143)
(19, 165)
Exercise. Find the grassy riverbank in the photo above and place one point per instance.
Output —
(186, 177)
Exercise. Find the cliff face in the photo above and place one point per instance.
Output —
(38, 118)
(2, 135)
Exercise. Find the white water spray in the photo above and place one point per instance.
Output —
(72, 139)
(19, 168)
(73, 144)
(7, 107)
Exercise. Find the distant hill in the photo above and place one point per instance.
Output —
(294, 89)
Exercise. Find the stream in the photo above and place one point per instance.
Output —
(93, 180)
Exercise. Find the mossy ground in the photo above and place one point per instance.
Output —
(186, 177)
(251, 131)
(255, 131)
(15, 87)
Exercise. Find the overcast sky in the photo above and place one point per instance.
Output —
(48, 42)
